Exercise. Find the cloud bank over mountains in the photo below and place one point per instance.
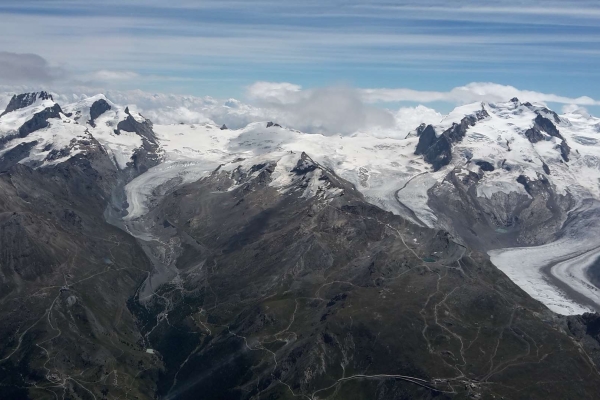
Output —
(327, 110)
(475, 91)
(330, 110)
(284, 93)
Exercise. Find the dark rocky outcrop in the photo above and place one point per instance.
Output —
(25, 100)
(40, 120)
(56, 154)
(146, 156)
(534, 135)
(270, 124)
(565, 150)
(551, 129)
(440, 153)
(427, 137)
(437, 151)
(534, 187)
(547, 126)
(98, 108)
(485, 166)
(543, 111)
(546, 168)
(143, 129)
(543, 124)
(304, 165)
(224, 127)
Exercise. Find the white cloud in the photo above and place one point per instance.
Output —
(328, 110)
(335, 109)
(473, 92)
(274, 92)
(107, 76)
(575, 109)
(409, 118)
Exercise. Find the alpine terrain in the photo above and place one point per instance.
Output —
(146, 261)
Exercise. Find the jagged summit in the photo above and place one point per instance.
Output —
(25, 100)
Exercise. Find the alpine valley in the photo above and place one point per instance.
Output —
(457, 260)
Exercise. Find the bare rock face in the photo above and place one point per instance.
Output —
(40, 120)
(427, 137)
(542, 124)
(147, 156)
(25, 100)
(485, 165)
(98, 108)
(437, 151)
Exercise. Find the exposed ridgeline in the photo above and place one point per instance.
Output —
(98, 108)
(544, 125)
(437, 150)
(25, 100)
(147, 156)
(40, 120)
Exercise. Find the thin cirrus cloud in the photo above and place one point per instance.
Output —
(106, 75)
(326, 110)
(217, 47)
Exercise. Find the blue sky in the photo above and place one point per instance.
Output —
(219, 48)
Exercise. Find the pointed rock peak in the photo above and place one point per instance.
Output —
(482, 114)
(224, 127)
(515, 100)
(142, 128)
(304, 165)
(127, 111)
(25, 100)
(543, 111)
(421, 128)
(97, 109)
(427, 136)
